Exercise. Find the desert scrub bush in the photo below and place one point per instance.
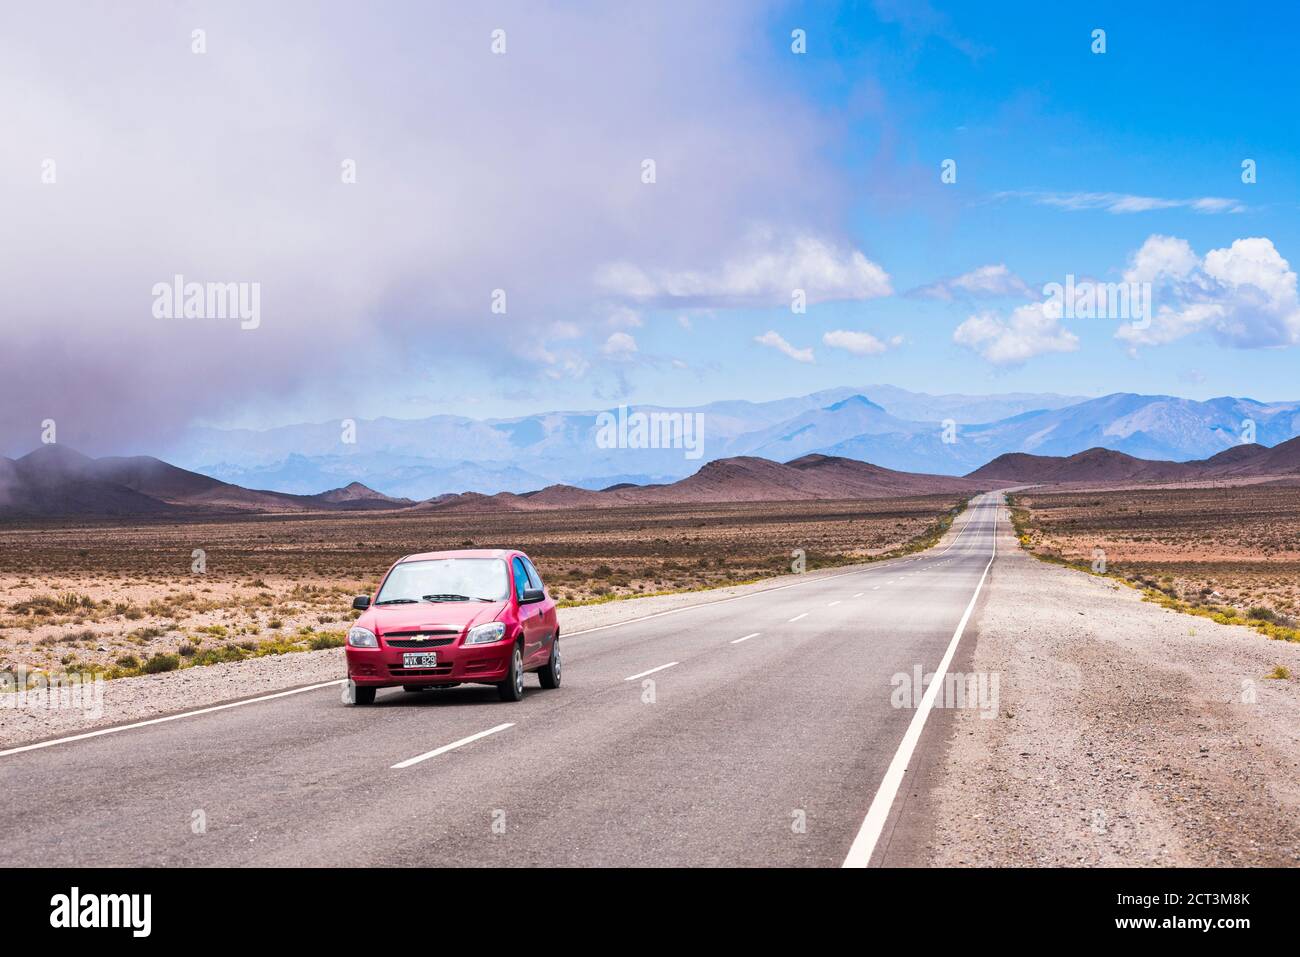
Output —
(129, 662)
(216, 631)
(1280, 673)
(187, 650)
(71, 601)
(42, 605)
(277, 646)
(1260, 613)
(216, 656)
(275, 623)
(327, 639)
(1225, 615)
(160, 663)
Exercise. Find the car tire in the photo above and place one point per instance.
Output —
(549, 673)
(512, 689)
(363, 696)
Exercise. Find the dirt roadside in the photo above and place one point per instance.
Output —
(1126, 734)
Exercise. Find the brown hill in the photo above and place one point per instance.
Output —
(739, 479)
(1237, 455)
(1104, 465)
(1281, 459)
(357, 496)
(1094, 465)
(57, 481)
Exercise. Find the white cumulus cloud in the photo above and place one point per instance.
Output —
(986, 282)
(1030, 330)
(1244, 294)
(766, 272)
(859, 343)
(776, 341)
(619, 345)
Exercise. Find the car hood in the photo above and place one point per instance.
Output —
(430, 615)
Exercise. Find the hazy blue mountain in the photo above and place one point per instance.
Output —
(401, 476)
(917, 406)
(1147, 426)
(884, 425)
(819, 429)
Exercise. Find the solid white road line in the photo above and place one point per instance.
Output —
(736, 641)
(832, 604)
(450, 747)
(170, 717)
(858, 595)
(650, 672)
(878, 813)
(797, 617)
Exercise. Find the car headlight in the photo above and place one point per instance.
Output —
(492, 631)
(362, 638)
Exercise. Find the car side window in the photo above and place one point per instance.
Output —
(521, 578)
(533, 577)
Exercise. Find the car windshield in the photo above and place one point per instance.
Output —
(445, 579)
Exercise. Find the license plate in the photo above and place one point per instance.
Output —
(420, 659)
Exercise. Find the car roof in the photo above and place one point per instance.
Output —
(502, 553)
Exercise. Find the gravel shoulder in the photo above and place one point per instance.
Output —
(1126, 735)
(124, 700)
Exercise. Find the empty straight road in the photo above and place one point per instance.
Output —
(757, 730)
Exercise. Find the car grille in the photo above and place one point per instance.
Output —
(396, 672)
(417, 642)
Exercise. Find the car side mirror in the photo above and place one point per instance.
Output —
(361, 602)
(532, 595)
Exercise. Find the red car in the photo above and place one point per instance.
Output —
(441, 619)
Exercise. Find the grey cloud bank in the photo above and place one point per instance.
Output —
(472, 171)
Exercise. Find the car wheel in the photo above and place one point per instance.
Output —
(550, 672)
(512, 689)
(363, 695)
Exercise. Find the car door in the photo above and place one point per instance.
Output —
(532, 617)
(546, 614)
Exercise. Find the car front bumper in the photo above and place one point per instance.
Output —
(383, 666)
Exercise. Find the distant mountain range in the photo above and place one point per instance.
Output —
(887, 426)
(1110, 467)
(54, 481)
(58, 482)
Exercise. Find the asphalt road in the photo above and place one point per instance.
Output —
(751, 731)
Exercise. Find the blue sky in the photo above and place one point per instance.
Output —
(523, 170)
(1036, 121)
(1022, 104)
